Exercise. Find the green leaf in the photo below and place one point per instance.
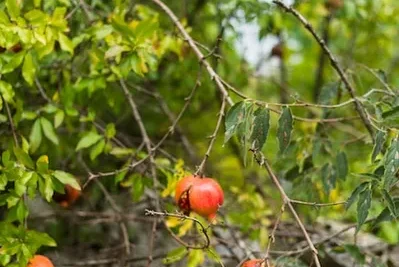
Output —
(48, 130)
(355, 252)
(65, 43)
(379, 144)
(35, 137)
(386, 214)
(175, 255)
(212, 254)
(285, 125)
(233, 118)
(88, 140)
(46, 186)
(42, 164)
(260, 128)
(121, 151)
(363, 206)
(15, 61)
(325, 177)
(59, 118)
(13, 8)
(5, 158)
(23, 158)
(391, 204)
(137, 186)
(6, 91)
(67, 178)
(355, 194)
(29, 69)
(110, 130)
(97, 149)
(391, 164)
(342, 165)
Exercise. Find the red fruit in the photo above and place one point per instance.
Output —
(204, 196)
(40, 261)
(254, 263)
(68, 198)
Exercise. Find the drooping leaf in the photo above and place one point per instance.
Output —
(363, 207)
(390, 202)
(48, 130)
(260, 128)
(233, 118)
(137, 187)
(391, 164)
(360, 188)
(342, 165)
(35, 137)
(386, 214)
(285, 125)
(88, 140)
(379, 144)
(29, 69)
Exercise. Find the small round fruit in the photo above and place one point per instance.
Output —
(67, 199)
(182, 193)
(40, 261)
(277, 51)
(334, 4)
(254, 263)
(204, 196)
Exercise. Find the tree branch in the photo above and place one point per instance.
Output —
(334, 63)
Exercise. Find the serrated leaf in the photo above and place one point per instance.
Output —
(260, 128)
(355, 194)
(88, 140)
(379, 144)
(65, 43)
(35, 137)
(175, 255)
(59, 118)
(233, 118)
(97, 149)
(363, 207)
(391, 164)
(23, 157)
(390, 202)
(29, 69)
(66, 178)
(285, 125)
(342, 165)
(48, 130)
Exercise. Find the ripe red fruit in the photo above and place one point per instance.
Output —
(204, 196)
(40, 261)
(254, 263)
(68, 198)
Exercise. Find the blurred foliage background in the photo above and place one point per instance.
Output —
(70, 70)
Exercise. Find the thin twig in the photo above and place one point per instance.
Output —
(147, 143)
(182, 216)
(334, 64)
(262, 161)
(214, 76)
(200, 168)
(12, 126)
(271, 236)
